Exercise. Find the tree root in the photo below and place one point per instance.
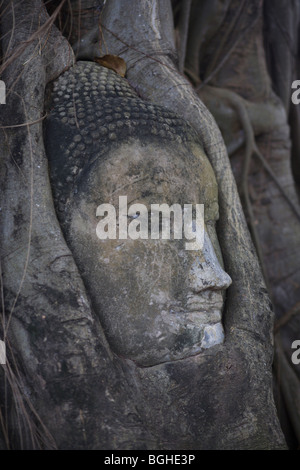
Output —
(289, 386)
(251, 149)
(183, 30)
(295, 310)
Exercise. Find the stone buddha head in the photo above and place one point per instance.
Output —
(157, 300)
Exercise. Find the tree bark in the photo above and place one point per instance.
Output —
(49, 326)
(243, 85)
(64, 364)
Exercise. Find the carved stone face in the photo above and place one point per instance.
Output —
(156, 300)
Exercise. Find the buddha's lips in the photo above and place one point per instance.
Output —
(197, 303)
(205, 301)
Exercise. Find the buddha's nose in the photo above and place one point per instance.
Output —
(206, 271)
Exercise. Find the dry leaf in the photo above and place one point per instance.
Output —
(113, 62)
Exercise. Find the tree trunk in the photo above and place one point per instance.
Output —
(72, 390)
(244, 101)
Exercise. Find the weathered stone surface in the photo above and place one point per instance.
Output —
(77, 393)
(217, 398)
(157, 300)
(93, 111)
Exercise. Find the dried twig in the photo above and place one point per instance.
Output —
(226, 56)
(295, 310)
(183, 31)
